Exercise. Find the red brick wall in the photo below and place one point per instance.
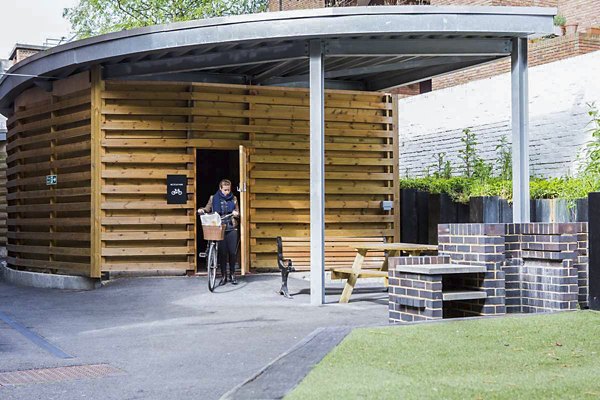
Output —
(22, 54)
(507, 3)
(461, 2)
(407, 91)
(586, 13)
(540, 52)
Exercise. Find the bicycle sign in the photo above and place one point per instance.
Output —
(176, 189)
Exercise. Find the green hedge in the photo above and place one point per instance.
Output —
(462, 189)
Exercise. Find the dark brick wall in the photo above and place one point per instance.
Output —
(530, 267)
(545, 265)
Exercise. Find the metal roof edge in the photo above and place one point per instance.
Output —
(289, 15)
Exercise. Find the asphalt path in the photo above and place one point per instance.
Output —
(169, 336)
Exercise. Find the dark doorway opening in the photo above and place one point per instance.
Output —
(211, 167)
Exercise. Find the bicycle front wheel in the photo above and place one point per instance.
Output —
(211, 266)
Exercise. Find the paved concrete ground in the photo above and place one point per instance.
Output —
(170, 336)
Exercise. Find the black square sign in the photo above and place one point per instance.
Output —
(176, 189)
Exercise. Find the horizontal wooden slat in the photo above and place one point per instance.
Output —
(146, 266)
(80, 131)
(264, 144)
(62, 265)
(234, 98)
(47, 165)
(171, 143)
(139, 189)
(41, 180)
(330, 131)
(328, 160)
(331, 219)
(65, 251)
(353, 176)
(144, 251)
(50, 207)
(294, 114)
(42, 194)
(66, 236)
(144, 205)
(273, 232)
(47, 108)
(170, 220)
(329, 189)
(45, 151)
(53, 121)
(148, 158)
(145, 235)
(146, 173)
(49, 221)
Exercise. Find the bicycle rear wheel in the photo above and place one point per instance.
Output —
(211, 266)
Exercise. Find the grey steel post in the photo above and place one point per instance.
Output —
(520, 130)
(317, 174)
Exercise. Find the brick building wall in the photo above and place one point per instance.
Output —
(585, 13)
(558, 95)
(540, 52)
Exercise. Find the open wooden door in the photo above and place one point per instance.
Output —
(244, 221)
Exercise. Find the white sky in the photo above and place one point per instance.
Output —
(31, 22)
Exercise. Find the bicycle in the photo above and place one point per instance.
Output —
(213, 235)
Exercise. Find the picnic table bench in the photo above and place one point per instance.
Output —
(356, 271)
(348, 258)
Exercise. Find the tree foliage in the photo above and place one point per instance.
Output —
(95, 17)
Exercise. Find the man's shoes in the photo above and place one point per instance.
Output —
(223, 281)
(233, 280)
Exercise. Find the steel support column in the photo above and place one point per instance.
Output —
(317, 174)
(520, 130)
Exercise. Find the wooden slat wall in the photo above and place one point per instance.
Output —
(359, 169)
(149, 130)
(49, 134)
(3, 214)
(144, 138)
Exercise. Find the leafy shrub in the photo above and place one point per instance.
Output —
(462, 189)
(469, 153)
(560, 20)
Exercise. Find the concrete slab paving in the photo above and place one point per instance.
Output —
(170, 336)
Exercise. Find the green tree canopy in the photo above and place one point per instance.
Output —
(95, 17)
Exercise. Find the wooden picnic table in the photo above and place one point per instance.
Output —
(392, 250)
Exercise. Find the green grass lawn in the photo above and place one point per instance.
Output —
(552, 356)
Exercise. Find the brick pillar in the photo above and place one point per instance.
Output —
(546, 266)
(477, 244)
(415, 297)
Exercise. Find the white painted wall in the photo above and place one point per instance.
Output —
(558, 121)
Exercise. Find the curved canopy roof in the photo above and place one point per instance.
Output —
(366, 48)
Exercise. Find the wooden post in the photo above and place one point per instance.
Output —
(96, 166)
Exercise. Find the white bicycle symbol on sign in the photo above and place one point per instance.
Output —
(176, 192)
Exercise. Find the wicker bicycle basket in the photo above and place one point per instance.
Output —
(213, 232)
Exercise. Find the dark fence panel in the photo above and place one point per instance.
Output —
(421, 212)
(408, 216)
